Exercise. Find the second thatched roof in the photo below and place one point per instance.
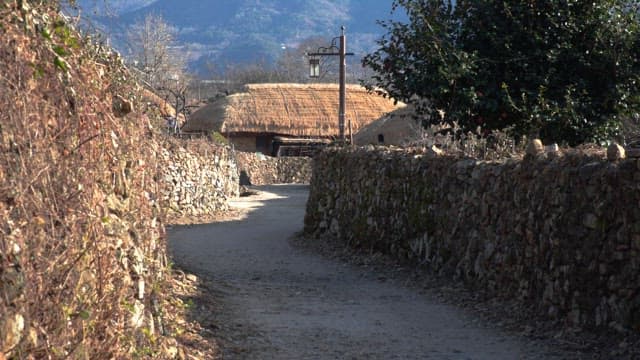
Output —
(289, 109)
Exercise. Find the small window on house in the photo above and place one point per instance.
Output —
(380, 139)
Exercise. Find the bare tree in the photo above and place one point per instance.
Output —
(293, 64)
(152, 50)
(260, 72)
(292, 67)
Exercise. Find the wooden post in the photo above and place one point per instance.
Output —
(343, 88)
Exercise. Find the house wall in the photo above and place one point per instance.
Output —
(253, 142)
(244, 142)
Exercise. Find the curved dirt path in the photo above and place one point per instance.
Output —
(281, 302)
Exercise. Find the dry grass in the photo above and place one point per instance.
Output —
(495, 145)
(404, 128)
(190, 310)
(290, 109)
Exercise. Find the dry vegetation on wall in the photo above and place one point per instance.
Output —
(83, 270)
(494, 145)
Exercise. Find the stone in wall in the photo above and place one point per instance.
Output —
(559, 233)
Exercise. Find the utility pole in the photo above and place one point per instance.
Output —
(343, 85)
(314, 71)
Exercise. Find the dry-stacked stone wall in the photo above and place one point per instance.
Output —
(559, 233)
(258, 169)
(198, 182)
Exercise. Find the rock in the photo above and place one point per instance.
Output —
(15, 249)
(553, 148)
(170, 352)
(552, 151)
(120, 106)
(141, 288)
(434, 151)
(33, 337)
(137, 315)
(615, 152)
(12, 332)
(534, 148)
(590, 221)
(335, 226)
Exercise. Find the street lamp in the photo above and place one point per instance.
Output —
(314, 71)
(314, 67)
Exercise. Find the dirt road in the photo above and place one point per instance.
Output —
(281, 302)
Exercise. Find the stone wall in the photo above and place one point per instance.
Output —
(198, 180)
(259, 169)
(560, 233)
(199, 177)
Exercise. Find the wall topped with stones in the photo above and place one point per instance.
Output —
(199, 178)
(560, 233)
(258, 169)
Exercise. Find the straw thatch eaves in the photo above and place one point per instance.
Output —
(163, 105)
(302, 110)
(396, 128)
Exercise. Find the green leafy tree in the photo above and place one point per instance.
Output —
(566, 71)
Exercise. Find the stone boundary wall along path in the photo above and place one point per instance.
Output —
(559, 233)
(198, 182)
(259, 169)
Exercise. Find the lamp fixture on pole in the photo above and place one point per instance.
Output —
(314, 71)
(314, 67)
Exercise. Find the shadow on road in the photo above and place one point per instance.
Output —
(232, 250)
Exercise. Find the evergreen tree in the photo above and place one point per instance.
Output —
(564, 70)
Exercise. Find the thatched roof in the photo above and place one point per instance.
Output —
(398, 128)
(163, 105)
(289, 109)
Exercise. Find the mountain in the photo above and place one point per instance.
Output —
(112, 7)
(227, 32)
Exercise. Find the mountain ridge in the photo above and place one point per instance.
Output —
(246, 31)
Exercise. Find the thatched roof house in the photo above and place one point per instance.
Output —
(396, 128)
(252, 118)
